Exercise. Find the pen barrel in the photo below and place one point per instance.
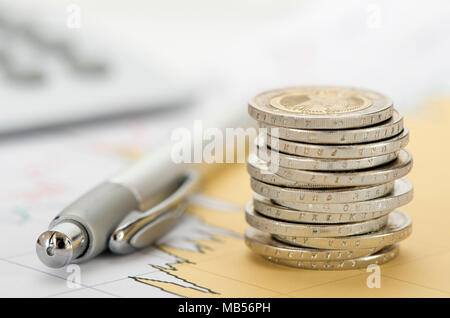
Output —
(99, 212)
(151, 177)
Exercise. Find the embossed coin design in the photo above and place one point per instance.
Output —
(263, 223)
(259, 169)
(321, 107)
(381, 174)
(365, 150)
(267, 207)
(383, 130)
(379, 258)
(317, 101)
(263, 244)
(401, 195)
(317, 164)
(335, 195)
(398, 228)
(327, 175)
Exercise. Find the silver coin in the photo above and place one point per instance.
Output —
(317, 164)
(263, 244)
(268, 208)
(277, 227)
(365, 150)
(381, 174)
(401, 195)
(387, 129)
(259, 169)
(398, 228)
(321, 107)
(381, 257)
(335, 195)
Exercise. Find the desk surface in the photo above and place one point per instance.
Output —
(226, 268)
(205, 254)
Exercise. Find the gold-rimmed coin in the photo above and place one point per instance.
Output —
(321, 107)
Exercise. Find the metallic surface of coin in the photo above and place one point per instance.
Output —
(277, 227)
(321, 107)
(401, 195)
(317, 164)
(398, 228)
(316, 101)
(263, 244)
(381, 174)
(365, 150)
(383, 256)
(266, 207)
(334, 195)
(327, 177)
(259, 169)
(387, 129)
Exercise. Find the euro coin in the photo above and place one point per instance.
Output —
(318, 164)
(383, 256)
(387, 129)
(263, 244)
(334, 195)
(277, 227)
(321, 107)
(381, 174)
(398, 228)
(260, 170)
(268, 208)
(365, 150)
(402, 194)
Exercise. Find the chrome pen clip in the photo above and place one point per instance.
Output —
(140, 229)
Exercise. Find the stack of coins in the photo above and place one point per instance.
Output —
(328, 178)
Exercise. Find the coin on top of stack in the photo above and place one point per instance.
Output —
(328, 175)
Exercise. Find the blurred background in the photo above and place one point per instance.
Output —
(84, 62)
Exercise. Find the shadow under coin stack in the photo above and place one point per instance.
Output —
(327, 190)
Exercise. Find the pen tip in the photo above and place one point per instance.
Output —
(54, 249)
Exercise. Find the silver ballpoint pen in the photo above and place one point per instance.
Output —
(125, 213)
